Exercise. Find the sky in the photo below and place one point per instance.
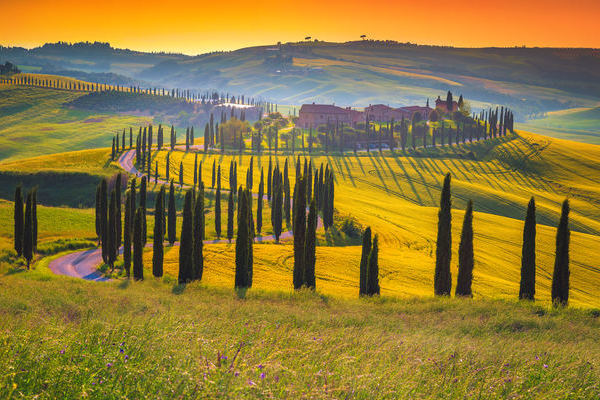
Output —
(194, 27)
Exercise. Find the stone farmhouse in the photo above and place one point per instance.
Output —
(313, 115)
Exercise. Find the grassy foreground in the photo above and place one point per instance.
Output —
(63, 338)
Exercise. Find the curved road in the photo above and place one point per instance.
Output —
(84, 264)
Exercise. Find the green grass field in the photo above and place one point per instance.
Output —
(33, 121)
(580, 124)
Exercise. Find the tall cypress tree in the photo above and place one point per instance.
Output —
(28, 231)
(443, 279)
(34, 220)
(112, 250)
(560, 277)
(119, 227)
(465, 255)
(242, 245)
(98, 218)
(18, 221)
(138, 246)
(230, 216)
(286, 193)
(310, 248)
(276, 204)
(269, 178)
(373, 269)
(104, 218)
(212, 185)
(299, 232)
(143, 190)
(172, 216)
(218, 211)
(527, 286)
(195, 169)
(127, 223)
(181, 174)
(259, 202)
(364, 261)
(198, 255)
(159, 234)
(186, 247)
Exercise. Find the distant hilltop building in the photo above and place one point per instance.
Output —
(313, 115)
(443, 105)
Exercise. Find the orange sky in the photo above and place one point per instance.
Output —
(193, 26)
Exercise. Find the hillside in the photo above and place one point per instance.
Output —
(529, 80)
(580, 124)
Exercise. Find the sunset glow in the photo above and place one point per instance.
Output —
(194, 27)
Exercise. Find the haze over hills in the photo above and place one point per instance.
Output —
(529, 80)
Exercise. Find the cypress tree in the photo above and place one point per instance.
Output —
(310, 248)
(119, 226)
(143, 186)
(230, 216)
(299, 232)
(269, 183)
(195, 169)
(181, 174)
(200, 174)
(172, 216)
(249, 180)
(443, 279)
(104, 218)
(250, 267)
(259, 202)
(218, 211)
(159, 234)
(465, 255)
(18, 221)
(127, 234)
(198, 255)
(527, 287)
(138, 246)
(34, 220)
(364, 261)
(373, 269)
(286, 193)
(276, 204)
(560, 277)
(242, 245)
(28, 231)
(186, 246)
(98, 218)
(212, 185)
(112, 250)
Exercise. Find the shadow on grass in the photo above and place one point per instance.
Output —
(241, 292)
(125, 284)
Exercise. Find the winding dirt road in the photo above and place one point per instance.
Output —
(84, 264)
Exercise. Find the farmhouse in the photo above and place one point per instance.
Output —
(442, 105)
(313, 115)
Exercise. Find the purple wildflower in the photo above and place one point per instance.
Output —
(545, 365)
(260, 366)
(262, 375)
(109, 365)
(236, 373)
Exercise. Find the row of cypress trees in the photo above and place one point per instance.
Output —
(25, 224)
(443, 278)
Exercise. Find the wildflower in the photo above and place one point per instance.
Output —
(276, 378)
(260, 366)
(545, 365)
(251, 383)
(109, 365)
(236, 373)
(62, 351)
(121, 351)
(262, 375)
(223, 357)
